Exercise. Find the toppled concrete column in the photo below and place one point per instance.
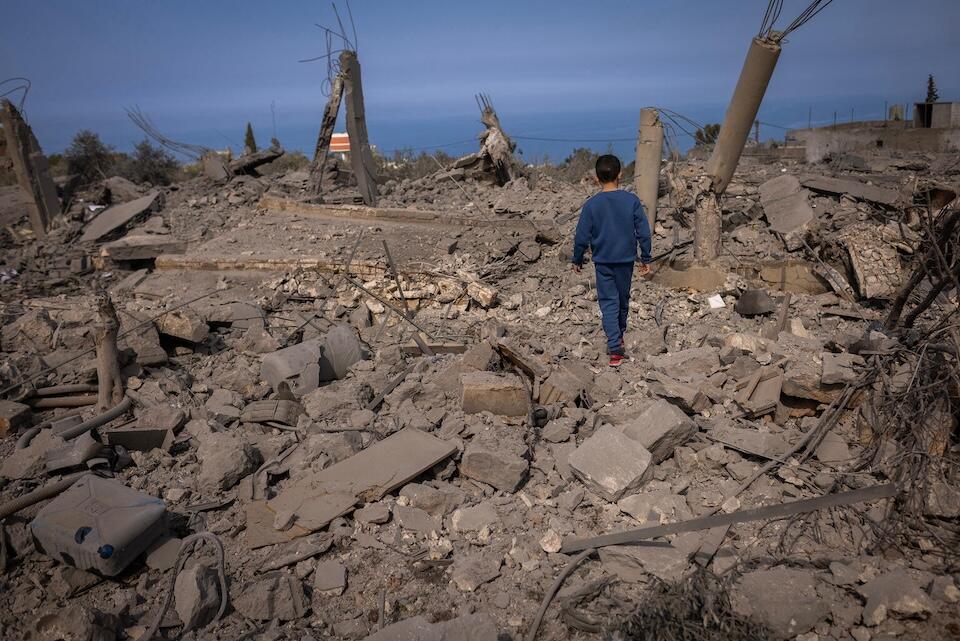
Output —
(361, 157)
(326, 132)
(31, 168)
(646, 173)
(741, 113)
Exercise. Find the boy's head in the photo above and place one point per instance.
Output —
(608, 169)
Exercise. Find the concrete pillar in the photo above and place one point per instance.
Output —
(364, 167)
(326, 132)
(742, 111)
(31, 168)
(646, 172)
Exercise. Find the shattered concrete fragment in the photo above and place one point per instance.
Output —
(785, 599)
(661, 428)
(376, 513)
(289, 362)
(484, 295)
(875, 261)
(415, 519)
(840, 368)
(277, 595)
(225, 459)
(473, 569)
(196, 594)
(501, 469)
(329, 578)
(687, 363)
(635, 563)
(470, 627)
(787, 209)
(611, 464)
(474, 518)
(690, 399)
(112, 218)
(895, 592)
(435, 501)
(184, 324)
(755, 302)
(502, 394)
(317, 498)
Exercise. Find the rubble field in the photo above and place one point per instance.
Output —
(332, 421)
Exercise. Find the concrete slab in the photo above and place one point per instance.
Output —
(611, 464)
(112, 218)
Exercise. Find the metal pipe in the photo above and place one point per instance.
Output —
(40, 494)
(50, 402)
(60, 390)
(646, 173)
(101, 419)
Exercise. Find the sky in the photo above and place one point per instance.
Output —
(574, 71)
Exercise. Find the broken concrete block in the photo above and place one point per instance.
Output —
(502, 394)
(34, 329)
(785, 599)
(473, 569)
(686, 364)
(474, 518)
(787, 209)
(470, 627)
(561, 386)
(655, 508)
(13, 416)
(875, 261)
(501, 469)
(184, 324)
(755, 302)
(74, 623)
(415, 520)
(277, 595)
(318, 497)
(142, 247)
(29, 461)
(484, 295)
(840, 368)
(750, 440)
(479, 356)
(290, 361)
(225, 458)
(634, 564)
(376, 513)
(690, 399)
(196, 594)
(329, 578)
(437, 501)
(895, 592)
(852, 188)
(115, 217)
(833, 450)
(558, 430)
(661, 428)
(161, 416)
(611, 464)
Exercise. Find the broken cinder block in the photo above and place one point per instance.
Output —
(661, 428)
(502, 394)
(611, 463)
(13, 416)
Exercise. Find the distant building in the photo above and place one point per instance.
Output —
(935, 127)
(936, 115)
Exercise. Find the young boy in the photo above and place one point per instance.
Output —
(612, 223)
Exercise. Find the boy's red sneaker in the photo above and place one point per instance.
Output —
(616, 360)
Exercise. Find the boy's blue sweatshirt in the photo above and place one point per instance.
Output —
(612, 223)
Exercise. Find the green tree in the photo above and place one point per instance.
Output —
(249, 142)
(152, 164)
(932, 94)
(88, 157)
(707, 135)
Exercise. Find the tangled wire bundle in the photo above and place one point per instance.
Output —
(694, 609)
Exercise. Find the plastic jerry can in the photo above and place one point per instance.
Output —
(99, 525)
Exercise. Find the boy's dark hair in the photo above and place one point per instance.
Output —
(608, 168)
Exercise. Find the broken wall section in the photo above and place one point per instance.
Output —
(31, 167)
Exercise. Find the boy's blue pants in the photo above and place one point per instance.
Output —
(613, 294)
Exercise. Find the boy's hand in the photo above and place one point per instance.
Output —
(576, 268)
(643, 270)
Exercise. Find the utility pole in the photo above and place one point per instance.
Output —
(756, 132)
(646, 173)
(744, 105)
(810, 117)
